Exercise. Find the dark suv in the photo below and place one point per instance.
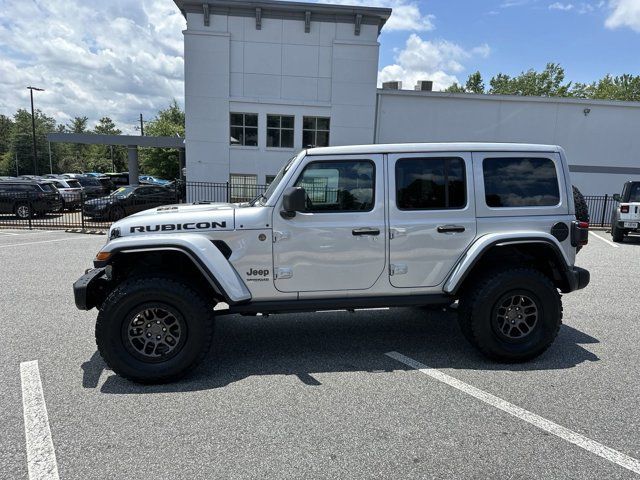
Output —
(27, 198)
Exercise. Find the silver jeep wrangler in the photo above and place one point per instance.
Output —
(489, 227)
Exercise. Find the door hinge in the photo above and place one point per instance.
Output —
(279, 236)
(283, 272)
(398, 269)
(397, 232)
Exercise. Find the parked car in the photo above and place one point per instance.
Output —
(127, 200)
(95, 187)
(119, 179)
(151, 180)
(28, 198)
(626, 217)
(71, 191)
(7, 178)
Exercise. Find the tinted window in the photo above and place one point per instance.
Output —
(634, 194)
(343, 186)
(520, 182)
(430, 183)
(73, 184)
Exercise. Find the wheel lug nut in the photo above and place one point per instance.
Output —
(164, 329)
(148, 334)
(519, 316)
(158, 322)
(157, 337)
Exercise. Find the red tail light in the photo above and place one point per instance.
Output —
(583, 224)
(624, 208)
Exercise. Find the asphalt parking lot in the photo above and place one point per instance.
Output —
(316, 395)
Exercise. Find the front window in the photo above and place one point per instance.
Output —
(280, 131)
(520, 182)
(339, 186)
(315, 132)
(244, 129)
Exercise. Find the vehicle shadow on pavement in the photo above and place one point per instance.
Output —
(303, 345)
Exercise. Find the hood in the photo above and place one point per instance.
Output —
(212, 217)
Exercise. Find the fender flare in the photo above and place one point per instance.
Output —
(199, 249)
(483, 244)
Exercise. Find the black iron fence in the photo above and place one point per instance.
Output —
(31, 210)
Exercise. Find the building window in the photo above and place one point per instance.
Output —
(244, 129)
(315, 132)
(430, 183)
(243, 187)
(520, 182)
(280, 131)
(339, 186)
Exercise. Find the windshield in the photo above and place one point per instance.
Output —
(123, 192)
(73, 184)
(277, 180)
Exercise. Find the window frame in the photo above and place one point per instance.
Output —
(337, 160)
(279, 129)
(521, 156)
(315, 131)
(244, 129)
(447, 159)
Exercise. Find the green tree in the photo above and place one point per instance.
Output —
(163, 162)
(455, 88)
(548, 83)
(475, 83)
(6, 128)
(21, 142)
(101, 155)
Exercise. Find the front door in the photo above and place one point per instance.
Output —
(339, 241)
(432, 217)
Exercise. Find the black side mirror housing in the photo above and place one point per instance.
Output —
(294, 200)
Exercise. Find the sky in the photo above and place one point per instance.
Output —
(120, 58)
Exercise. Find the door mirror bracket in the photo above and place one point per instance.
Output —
(293, 200)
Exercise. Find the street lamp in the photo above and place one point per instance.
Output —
(33, 128)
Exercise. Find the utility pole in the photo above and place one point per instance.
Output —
(141, 127)
(50, 163)
(33, 128)
(17, 173)
(113, 167)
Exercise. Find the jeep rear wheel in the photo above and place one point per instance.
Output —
(511, 315)
(153, 330)
(617, 234)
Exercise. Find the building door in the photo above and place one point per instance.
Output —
(339, 241)
(431, 215)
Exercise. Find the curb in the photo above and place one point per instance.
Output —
(89, 232)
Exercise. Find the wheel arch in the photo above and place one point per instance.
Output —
(198, 260)
(539, 251)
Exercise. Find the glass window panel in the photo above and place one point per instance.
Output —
(309, 123)
(430, 183)
(236, 119)
(308, 138)
(287, 121)
(251, 119)
(251, 137)
(273, 121)
(520, 182)
(237, 138)
(286, 139)
(322, 139)
(273, 137)
(323, 123)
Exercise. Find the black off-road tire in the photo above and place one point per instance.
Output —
(479, 306)
(582, 209)
(617, 234)
(137, 294)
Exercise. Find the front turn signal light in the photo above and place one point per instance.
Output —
(103, 256)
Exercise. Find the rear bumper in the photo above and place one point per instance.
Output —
(620, 224)
(578, 278)
(85, 288)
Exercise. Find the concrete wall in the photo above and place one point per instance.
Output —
(230, 66)
(601, 142)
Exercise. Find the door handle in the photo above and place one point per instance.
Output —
(450, 229)
(365, 231)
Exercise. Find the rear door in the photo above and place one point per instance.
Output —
(431, 215)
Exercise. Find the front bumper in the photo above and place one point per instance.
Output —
(85, 289)
(578, 278)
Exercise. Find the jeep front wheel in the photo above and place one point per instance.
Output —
(512, 315)
(153, 330)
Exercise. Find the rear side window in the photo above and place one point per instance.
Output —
(430, 183)
(520, 182)
(73, 184)
(339, 186)
(634, 194)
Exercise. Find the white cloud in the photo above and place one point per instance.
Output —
(93, 58)
(624, 13)
(565, 7)
(406, 15)
(438, 61)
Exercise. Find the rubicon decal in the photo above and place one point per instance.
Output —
(169, 227)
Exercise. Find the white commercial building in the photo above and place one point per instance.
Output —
(264, 79)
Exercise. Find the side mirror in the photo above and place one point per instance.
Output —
(616, 197)
(294, 200)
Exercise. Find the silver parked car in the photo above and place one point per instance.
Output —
(71, 192)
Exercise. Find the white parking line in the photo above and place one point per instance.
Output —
(47, 241)
(41, 456)
(609, 242)
(570, 436)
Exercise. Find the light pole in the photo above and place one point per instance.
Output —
(33, 128)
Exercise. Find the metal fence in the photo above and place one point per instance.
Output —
(26, 210)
